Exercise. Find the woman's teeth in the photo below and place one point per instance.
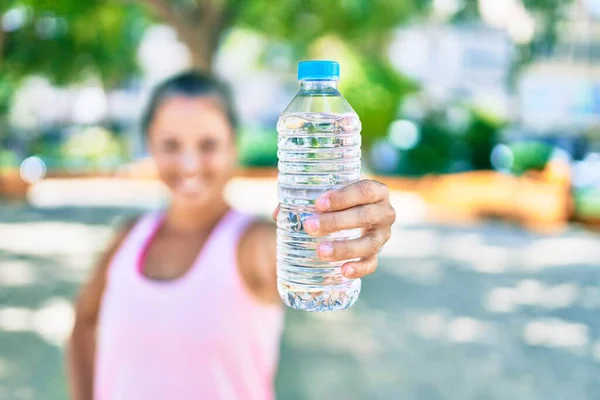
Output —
(190, 184)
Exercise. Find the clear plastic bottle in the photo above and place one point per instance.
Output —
(318, 150)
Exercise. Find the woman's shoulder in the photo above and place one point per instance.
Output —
(91, 293)
(256, 226)
(125, 226)
(257, 258)
(122, 229)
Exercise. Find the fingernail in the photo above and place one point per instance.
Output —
(350, 271)
(312, 224)
(326, 250)
(323, 203)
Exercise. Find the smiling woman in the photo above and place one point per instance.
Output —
(161, 317)
(192, 162)
(190, 124)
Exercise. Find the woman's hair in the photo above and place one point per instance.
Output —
(190, 84)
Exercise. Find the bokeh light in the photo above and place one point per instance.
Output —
(446, 8)
(404, 134)
(521, 26)
(510, 15)
(47, 26)
(14, 19)
(33, 169)
(496, 12)
(502, 157)
(161, 53)
(91, 105)
(593, 6)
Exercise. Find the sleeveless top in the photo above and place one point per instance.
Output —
(200, 336)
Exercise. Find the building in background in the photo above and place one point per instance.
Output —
(560, 94)
(469, 63)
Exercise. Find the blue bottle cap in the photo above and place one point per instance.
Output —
(318, 70)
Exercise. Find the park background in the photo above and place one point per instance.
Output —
(482, 116)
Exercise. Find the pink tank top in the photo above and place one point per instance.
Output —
(201, 336)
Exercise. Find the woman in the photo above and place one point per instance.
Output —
(184, 303)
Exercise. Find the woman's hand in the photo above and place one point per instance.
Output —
(364, 204)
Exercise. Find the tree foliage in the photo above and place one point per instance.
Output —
(66, 40)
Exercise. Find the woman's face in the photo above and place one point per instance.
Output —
(193, 146)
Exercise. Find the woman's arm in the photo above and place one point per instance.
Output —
(82, 344)
(364, 204)
(257, 258)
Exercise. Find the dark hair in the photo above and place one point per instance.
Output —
(190, 84)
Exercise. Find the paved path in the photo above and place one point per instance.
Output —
(486, 312)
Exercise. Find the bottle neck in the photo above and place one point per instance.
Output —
(318, 84)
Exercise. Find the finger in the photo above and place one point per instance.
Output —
(361, 192)
(275, 213)
(364, 247)
(357, 217)
(358, 269)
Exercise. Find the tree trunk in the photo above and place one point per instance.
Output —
(202, 41)
(199, 27)
(201, 58)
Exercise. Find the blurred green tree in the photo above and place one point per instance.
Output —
(65, 39)
(70, 39)
(547, 13)
(364, 25)
(480, 137)
(201, 23)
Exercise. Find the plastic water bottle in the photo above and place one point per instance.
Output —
(318, 150)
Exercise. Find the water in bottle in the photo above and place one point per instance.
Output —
(318, 150)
